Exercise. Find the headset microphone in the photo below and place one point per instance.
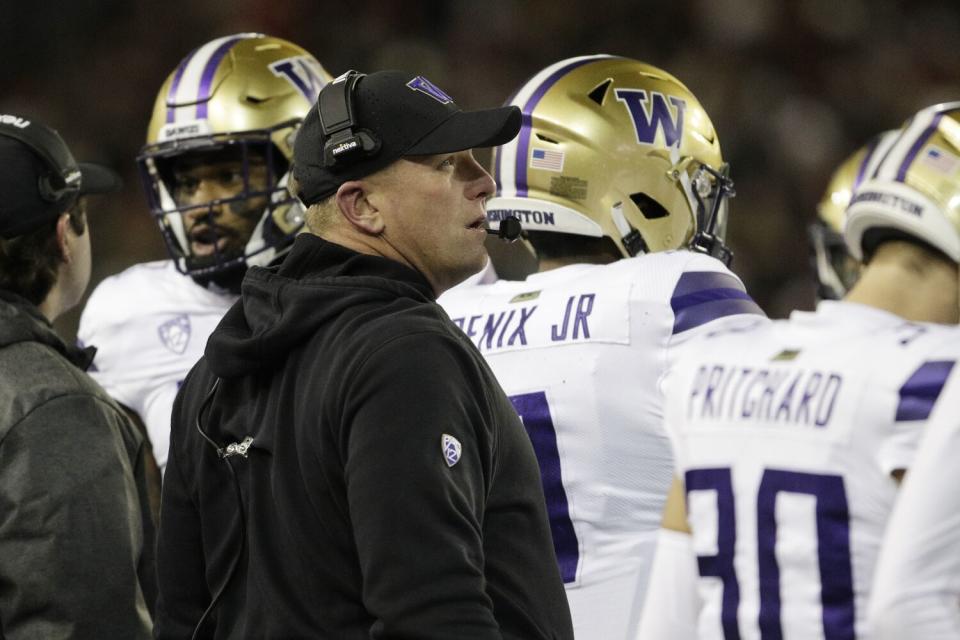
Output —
(509, 230)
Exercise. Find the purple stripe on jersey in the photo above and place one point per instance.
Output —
(920, 392)
(915, 148)
(702, 296)
(692, 281)
(679, 303)
(523, 144)
(172, 94)
(724, 302)
(206, 80)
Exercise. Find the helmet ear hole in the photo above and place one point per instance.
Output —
(600, 91)
(650, 208)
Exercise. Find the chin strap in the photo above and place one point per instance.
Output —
(632, 241)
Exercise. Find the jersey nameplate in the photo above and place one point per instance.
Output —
(772, 395)
(550, 319)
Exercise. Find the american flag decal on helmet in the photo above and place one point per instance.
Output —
(451, 449)
(547, 159)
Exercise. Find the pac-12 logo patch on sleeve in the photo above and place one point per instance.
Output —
(451, 449)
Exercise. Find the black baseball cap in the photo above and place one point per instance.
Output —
(400, 114)
(40, 179)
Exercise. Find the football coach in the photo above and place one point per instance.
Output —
(343, 463)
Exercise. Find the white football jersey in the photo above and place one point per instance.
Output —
(579, 350)
(150, 325)
(916, 590)
(785, 436)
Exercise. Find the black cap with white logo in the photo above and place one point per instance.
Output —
(40, 179)
(363, 123)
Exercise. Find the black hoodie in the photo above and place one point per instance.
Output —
(362, 516)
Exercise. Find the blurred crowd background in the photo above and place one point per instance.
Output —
(792, 86)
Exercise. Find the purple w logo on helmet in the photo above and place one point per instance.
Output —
(650, 114)
(425, 86)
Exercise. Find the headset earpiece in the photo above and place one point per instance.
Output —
(345, 143)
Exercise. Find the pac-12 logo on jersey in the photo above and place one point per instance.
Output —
(175, 333)
(651, 113)
(303, 73)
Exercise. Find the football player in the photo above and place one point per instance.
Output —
(215, 170)
(790, 437)
(834, 267)
(618, 179)
(916, 591)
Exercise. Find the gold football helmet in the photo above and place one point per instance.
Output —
(241, 96)
(914, 189)
(836, 270)
(618, 148)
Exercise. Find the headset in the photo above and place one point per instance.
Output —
(61, 183)
(345, 142)
(510, 229)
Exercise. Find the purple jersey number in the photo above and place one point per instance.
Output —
(535, 414)
(833, 548)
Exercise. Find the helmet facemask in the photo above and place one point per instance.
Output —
(233, 231)
(237, 100)
(709, 191)
(834, 267)
(836, 271)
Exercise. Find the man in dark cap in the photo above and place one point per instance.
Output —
(343, 464)
(76, 537)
